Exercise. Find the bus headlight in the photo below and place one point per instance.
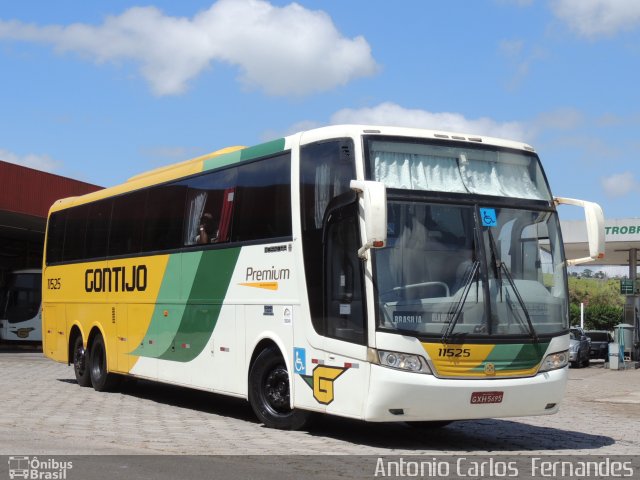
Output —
(403, 361)
(555, 361)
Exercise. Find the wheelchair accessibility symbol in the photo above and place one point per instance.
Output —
(299, 361)
(488, 216)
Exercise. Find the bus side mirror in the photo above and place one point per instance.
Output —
(374, 196)
(594, 218)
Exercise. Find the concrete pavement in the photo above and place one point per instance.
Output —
(45, 412)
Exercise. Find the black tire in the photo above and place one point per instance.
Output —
(101, 379)
(269, 393)
(430, 425)
(80, 363)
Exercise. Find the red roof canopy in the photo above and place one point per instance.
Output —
(27, 191)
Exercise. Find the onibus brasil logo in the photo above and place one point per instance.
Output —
(35, 469)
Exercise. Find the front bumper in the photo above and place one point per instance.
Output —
(395, 395)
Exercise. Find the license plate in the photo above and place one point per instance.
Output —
(486, 397)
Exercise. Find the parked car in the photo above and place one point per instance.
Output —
(579, 347)
(600, 340)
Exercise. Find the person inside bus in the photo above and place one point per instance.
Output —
(205, 231)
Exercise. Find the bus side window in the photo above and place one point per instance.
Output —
(75, 231)
(262, 205)
(164, 218)
(55, 236)
(127, 223)
(98, 229)
(210, 204)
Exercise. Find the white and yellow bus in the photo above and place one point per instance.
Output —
(20, 307)
(377, 273)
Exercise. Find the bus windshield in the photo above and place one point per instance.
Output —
(457, 168)
(21, 299)
(467, 267)
(448, 271)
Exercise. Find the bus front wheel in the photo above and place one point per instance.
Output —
(101, 379)
(270, 393)
(80, 367)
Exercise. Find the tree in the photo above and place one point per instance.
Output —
(605, 305)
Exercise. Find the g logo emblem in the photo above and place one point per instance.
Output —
(489, 369)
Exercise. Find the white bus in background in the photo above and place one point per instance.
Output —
(20, 307)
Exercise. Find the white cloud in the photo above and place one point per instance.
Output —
(560, 119)
(31, 160)
(596, 18)
(392, 114)
(511, 48)
(286, 50)
(620, 184)
(521, 59)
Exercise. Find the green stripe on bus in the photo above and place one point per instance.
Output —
(221, 161)
(262, 150)
(257, 151)
(164, 320)
(208, 289)
(514, 357)
(530, 355)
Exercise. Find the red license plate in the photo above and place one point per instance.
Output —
(486, 397)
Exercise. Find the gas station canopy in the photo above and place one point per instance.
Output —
(622, 238)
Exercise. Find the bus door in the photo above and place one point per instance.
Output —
(345, 373)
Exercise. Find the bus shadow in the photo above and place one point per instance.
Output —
(176, 396)
(469, 436)
(180, 397)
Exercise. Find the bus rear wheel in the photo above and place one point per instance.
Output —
(80, 367)
(101, 379)
(270, 393)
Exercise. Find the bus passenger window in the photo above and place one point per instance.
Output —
(127, 223)
(164, 216)
(210, 203)
(263, 200)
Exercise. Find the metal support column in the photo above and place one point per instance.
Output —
(632, 307)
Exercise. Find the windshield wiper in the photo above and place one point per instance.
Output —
(501, 267)
(454, 314)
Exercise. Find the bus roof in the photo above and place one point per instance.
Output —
(231, 155)
(356, 130)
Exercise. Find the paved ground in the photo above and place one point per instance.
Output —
(43, 411)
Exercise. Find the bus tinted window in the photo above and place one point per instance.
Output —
(55, 236)
(127, 223)
(209, 209)
(163, 220)
(75, 232)
(263, 200)
(98, 229)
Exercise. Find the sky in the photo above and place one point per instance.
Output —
(101, 91)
